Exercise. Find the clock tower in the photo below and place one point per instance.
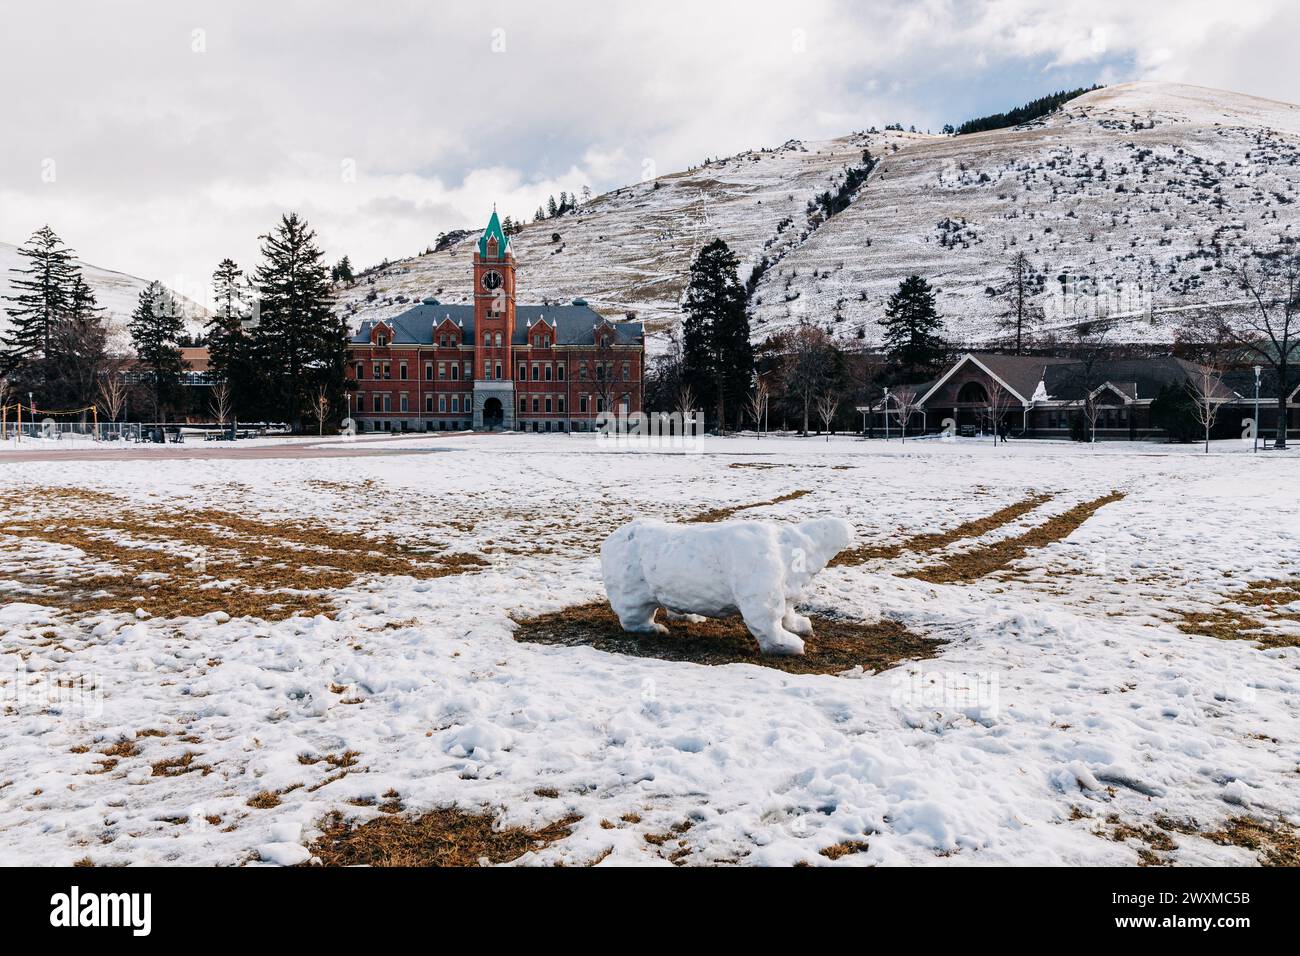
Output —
(494, 323)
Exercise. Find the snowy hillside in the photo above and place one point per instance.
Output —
(117, 293)
(1125, 190)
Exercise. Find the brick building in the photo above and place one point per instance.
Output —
(494, 364)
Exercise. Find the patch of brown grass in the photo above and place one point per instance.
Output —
(444, 837)
(941, 539)
(1263, 598)
(175, 766)
(1274, 844)
(279, 568)
(264, 800)
(835, 646)
(837, 850)
(722, 514)
(975, 564)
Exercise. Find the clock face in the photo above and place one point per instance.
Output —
(492, 280)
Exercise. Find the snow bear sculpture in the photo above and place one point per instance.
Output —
(755, 568)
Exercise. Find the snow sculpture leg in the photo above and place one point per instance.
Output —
(796, 623)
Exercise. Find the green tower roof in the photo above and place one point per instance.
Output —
(493, 230)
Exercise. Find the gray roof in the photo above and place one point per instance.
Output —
(573, 324)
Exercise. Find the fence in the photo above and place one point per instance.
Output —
(66, 432)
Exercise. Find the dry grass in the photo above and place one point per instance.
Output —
(836, 645)
(848, 847)
(941, 539)
(444, 837)
(1264, 599)
(167, 565)
(722, 514)
(1274, 844)
(978, 562)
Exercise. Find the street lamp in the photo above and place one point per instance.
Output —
(885, 405)
(1257, 374)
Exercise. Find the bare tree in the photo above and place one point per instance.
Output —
(1091, 348)
(320, 408)
(1207, 390)
(1269, 328)
(906, 402)
(756, 405)
(111, 396)
(809, 365)
(223, 402)
(1000, 403)
(685, 406)
(827, 404)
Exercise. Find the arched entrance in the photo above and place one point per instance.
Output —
(493, 414)
(972, 407)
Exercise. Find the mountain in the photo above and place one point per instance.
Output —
(1121, 199)
(117, 293)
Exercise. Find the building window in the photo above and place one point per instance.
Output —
(428, 403)
(378, 370)
(548, 403)
(442, 403)
(498, 344)
(469, 372)
(442, 371)
(523, 405)
(455, 371)
(428, 371)
(560, 404)
(388, 370)
(600, 372)
(582, 403)
(498, 371)
(548, 371)
(559, 372)
(404, 402)
(535, 404)
(523, 372)
(582, 371)
(388, 402)
(361, 371)
(537, 372)
(382, 341)
(455, 403)
(401, 371)
(627, 371)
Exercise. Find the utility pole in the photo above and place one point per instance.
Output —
(1258, 369)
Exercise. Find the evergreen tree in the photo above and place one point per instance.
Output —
(231, 346)
(912, 337)
(78, 351)
(552, 210)
(342, 272)
(43, 296)
(718, 360)
(301, 342)
(156, 328)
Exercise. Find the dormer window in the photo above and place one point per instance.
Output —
(381, 340)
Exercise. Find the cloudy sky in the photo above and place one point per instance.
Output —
(159, 137)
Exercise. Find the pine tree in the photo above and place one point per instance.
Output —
(301, 342)
(912, 337)
(718, 359)
(552, 210)
(231, 346)
(156, 328)
(44, 291)
(78, 351)
(342, 272)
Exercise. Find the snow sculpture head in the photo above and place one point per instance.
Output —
(757, 569)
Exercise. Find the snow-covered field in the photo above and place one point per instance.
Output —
(1066, 707)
